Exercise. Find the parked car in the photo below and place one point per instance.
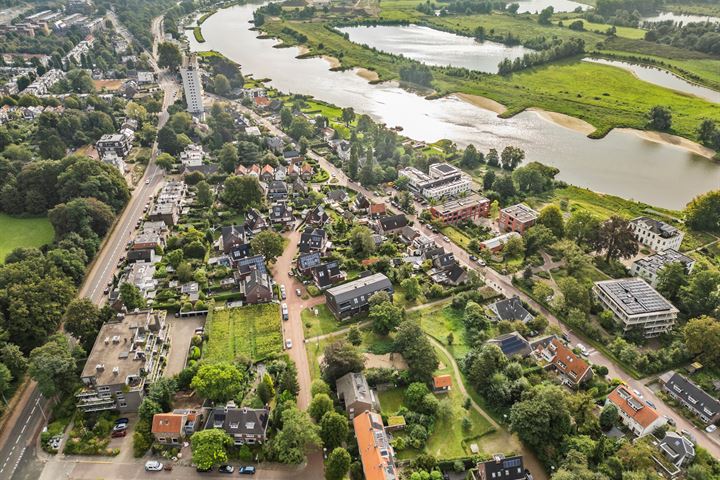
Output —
(120, 427)
(298, 292)
(481, 262)
(670, 421)
(122, 420)
(711, 428)
(283, 295)
(288, 343)
(153, 466)
(249, 470)
(226, 469)
(285, 313)
(147, 182)
(651, 404)
(638, 393)
(446, 239)
(583, 350)
(473, 258)
(118, 434)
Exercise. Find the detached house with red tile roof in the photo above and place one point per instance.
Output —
(172, 428)
(573, 369)
(376, 453)
(637, 416)
(442, 383)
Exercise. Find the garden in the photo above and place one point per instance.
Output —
(252, 331)
(23, 232)
(90, 435)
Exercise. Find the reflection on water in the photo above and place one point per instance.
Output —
(621, 164)
(434, 47)
(662, 78)
(534, 6)
(684, 18)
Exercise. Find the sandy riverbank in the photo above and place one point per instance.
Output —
(368, 75)
(667, 139)
(566, 121)
(334, 62)
(482, 102)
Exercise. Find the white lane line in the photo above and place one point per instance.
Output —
(24, 427)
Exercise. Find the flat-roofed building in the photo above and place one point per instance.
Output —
(443, 180)
(462, 209)
(650, 267)
(636, 305)
(192, 84)
(517, 218)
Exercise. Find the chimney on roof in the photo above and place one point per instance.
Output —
(107, 340)
(100, 367)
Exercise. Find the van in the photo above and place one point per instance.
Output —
(285, 313)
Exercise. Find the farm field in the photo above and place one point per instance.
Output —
(23, 232)
(252, 331)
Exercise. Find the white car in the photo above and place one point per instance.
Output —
(446, 239)
(638, 393)
(710, 428)
(153, 466)
(147, 182)
(583, 350)
(288, 343)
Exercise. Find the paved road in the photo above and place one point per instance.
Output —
(18, 439)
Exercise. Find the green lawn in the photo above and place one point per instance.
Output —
(252, 331)
(322, 323)
(23, 232)
(391, 400)
(442, 320)
(456, 236)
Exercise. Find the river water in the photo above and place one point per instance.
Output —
(662, 78)
(684, 18)
(534, 6)
(435, 47)
(620, 164)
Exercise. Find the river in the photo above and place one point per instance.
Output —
(621, 164)
(534, 6)
(435, 47)
(681, 17)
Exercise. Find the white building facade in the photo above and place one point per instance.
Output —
(192, 85)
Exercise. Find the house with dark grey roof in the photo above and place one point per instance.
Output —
(307, 261)
(408, 234)
(455, 275)
(277, 190)
(254, 221)
(353, 297)
(244, 425)
(444, 261)
(679, 450)
(328, 274)
(510, 309)
(501, 468)
(354, 392)
(655, 234)
(391, 224)
(232, 236)
(299, 187)
(361, 202)
(257, 288)
(337, 195)
(697, 400)
(317, 217)
(245, 266)
(312, 240)
(512, 344)
(281, 214)
(239, 252)
(650, 267)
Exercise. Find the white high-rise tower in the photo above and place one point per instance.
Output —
(193, 86)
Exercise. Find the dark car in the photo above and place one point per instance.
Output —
(226, 469)
(118, 434)
(249, 470)
(121, 420)
(203, 470)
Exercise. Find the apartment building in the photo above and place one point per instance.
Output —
(442, 180)
(125, 357)
(461, 210)
(517, 218)
(192, 85)
(117, 144)
(657, 235)
(650, 267)
(636, 305)
(353, 297)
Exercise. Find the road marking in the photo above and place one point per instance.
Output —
(24, 427)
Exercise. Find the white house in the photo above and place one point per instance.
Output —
(655, 234)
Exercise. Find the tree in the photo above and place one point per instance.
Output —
(417, 350)
(169, 55)
(537, 238)
(488, 179)
(354, 336)
(5, 379)
(136, 111)
(204, 194)
(701, 295)
(319, 406)
(228, 157)
(168, 141)
(708, 133)
(348, 115)
(341, 358)
(504, 186)
(484, 362)
(334, 429)
(616, 238)
(511, 157)
(545, 17)
(337, 464)
(608, 417)
(551, 217)
(385, 317)
(703, 212)
(268, 244)
(12, 357)
(297, 436)
(412, 288)
(218, 382)
(82, 321)
(80, 81)
(671, 279)
(165, 161)
(80, 215)
(542, 418)
(361, 241)
(266, 389)
(660, 118)
(209, 447)
(221, 84)
(471, 157)
(576, 294)
(53, 366)
(534, 177)
(514, 248)
(242, 193)
(131, 296)
(299, 128)
(582, 227)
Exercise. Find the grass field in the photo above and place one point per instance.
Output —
(23, 232)
(442, 320)
(252, 331)
(321, 324)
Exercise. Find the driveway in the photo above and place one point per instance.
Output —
(181, 333)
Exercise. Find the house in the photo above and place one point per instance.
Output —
(464, 209)
(192, 156)
(232, 236)
(306, 171)
(376, 452)
(636, 305)
(408, 235)
(119, 144)
(511, 344)
(244, 425)
(169, 428)
(277, 191)
(377, 210)
(444, 261)
(281, 173)
(245, 266)
(337, 195)
(354, 392)
(292, 155)
(420, 245)
(327, 274)
(361, 202)
(257, 288)
(312, 240)
(656, 235)
(677, 449)
(636, 415)
(697, 400)
(144, 246)
(650, 267)
(125, 357)
(254, 221)
(192, 290)
(573, 369)
(299, 188)
(517, 218)
(510, 309)
(267, 174)
(442, 383)
(308, 261)
(501, 468)
(142, 275)
(442, 180)
(317, 217)
(455, 275)
(275, 144)
(281, 215)
(391, 224)
(353, 297)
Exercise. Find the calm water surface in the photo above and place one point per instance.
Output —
(685, 18)
(620, 164)
(662, 78)
(534, 6)
(434, 47)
